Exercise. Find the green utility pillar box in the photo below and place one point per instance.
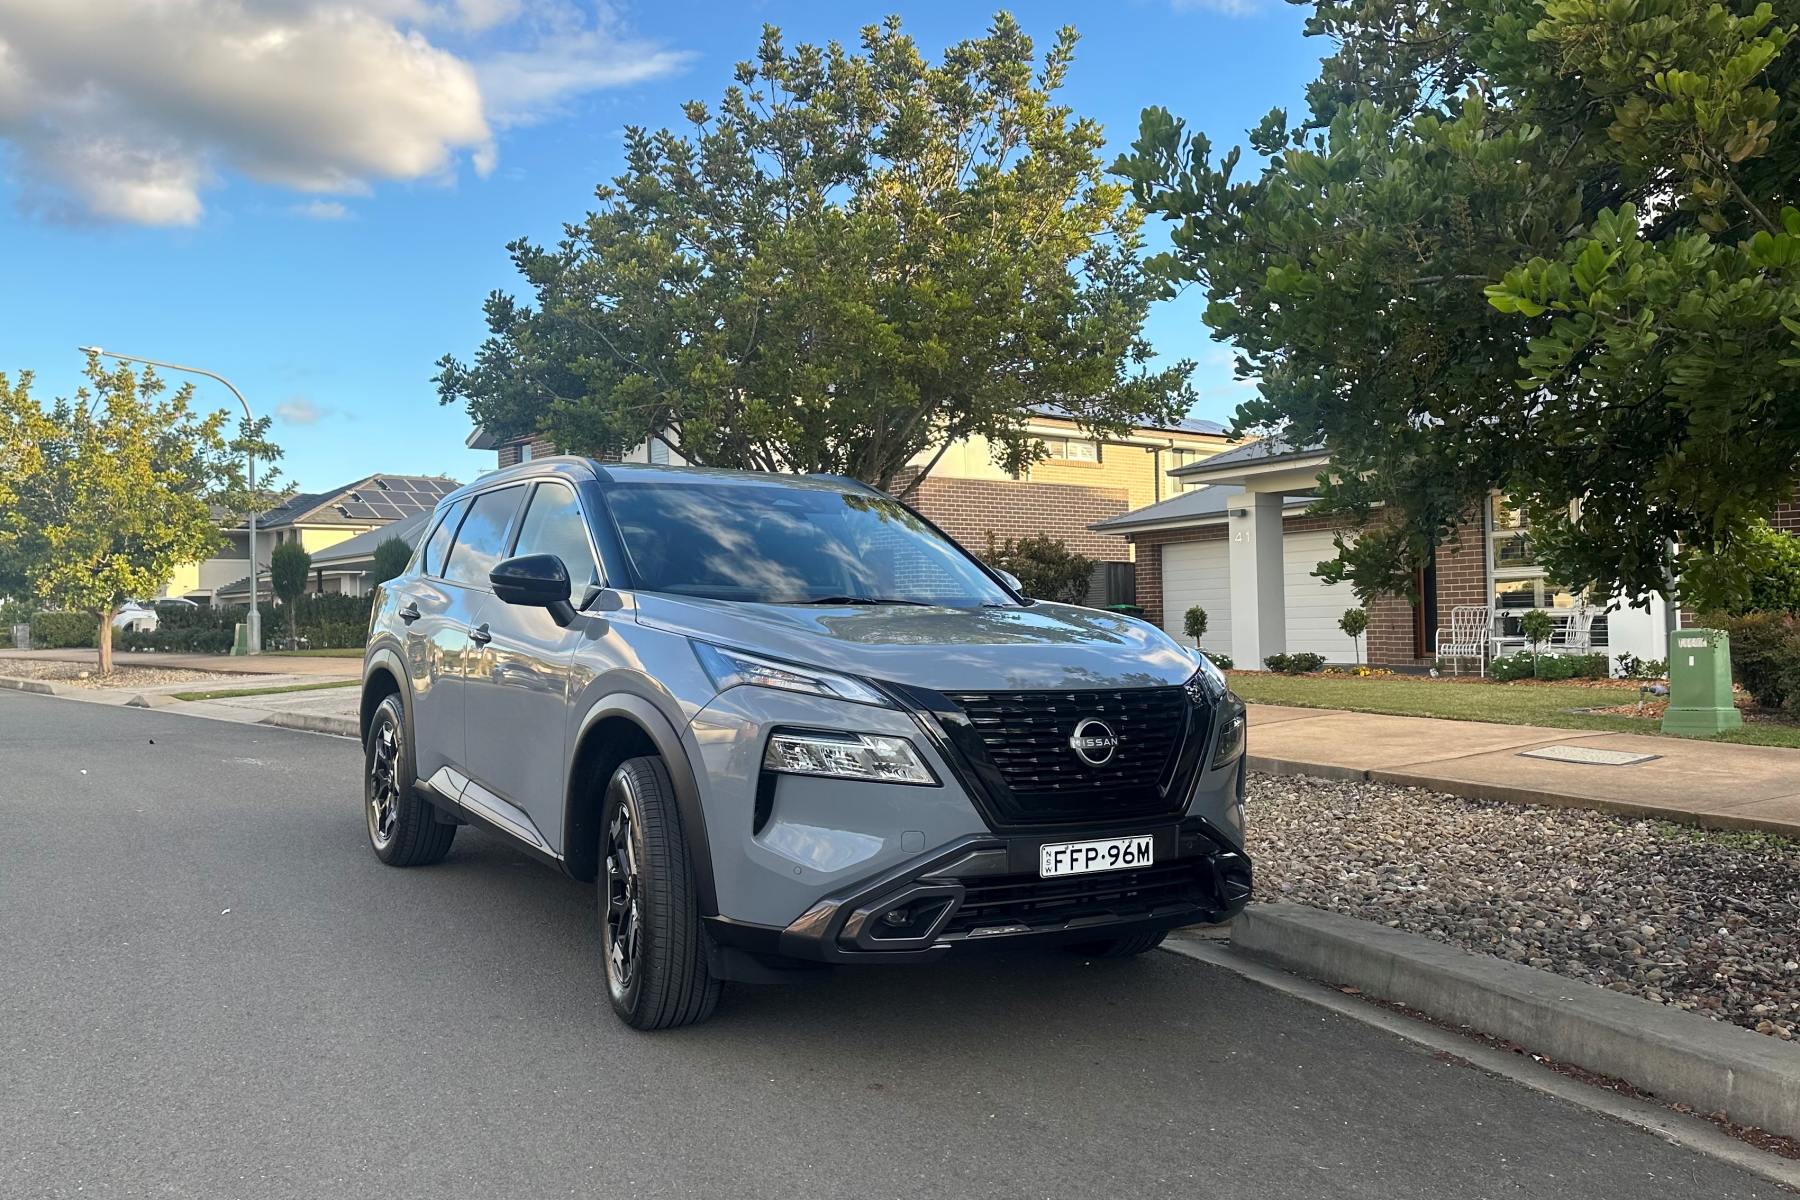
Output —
(1700, 700)
(240, 638)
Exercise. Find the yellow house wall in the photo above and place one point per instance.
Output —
(319, 538)
(185, 579)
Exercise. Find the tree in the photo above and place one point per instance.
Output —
(1537, 626)
(289, 565)
(391, 557)
(1548, 248)
(1046, 568)
(1354, 622)
(1193, 623)
(102, 497)
(1760, 573)
(857, 259)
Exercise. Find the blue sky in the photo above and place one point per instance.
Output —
(326, 284)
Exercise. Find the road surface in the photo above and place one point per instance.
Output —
(210, 988)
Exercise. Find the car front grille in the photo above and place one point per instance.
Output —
(1024, 738)
(1005, 902)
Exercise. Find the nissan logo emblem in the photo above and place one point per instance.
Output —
(1093, 742)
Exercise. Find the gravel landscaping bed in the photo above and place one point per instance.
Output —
(121, 677)
(1708, 922)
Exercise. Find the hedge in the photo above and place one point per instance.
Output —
(64, 630)
(325, 622)
(1524, 665)
(1765, 656)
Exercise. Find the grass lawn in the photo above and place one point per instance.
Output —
(218, 693)
(1507, 704)
(344, 652)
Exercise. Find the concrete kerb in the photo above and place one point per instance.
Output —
(313, 723)
(1682, 1057)
(38, 687)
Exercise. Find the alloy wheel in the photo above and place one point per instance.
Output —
(623, 924)
(384, 787)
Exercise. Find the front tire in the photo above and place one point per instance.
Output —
(650, 937)
(403, 830)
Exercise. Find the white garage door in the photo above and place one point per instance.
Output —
(1313, 608)
(1197, 573)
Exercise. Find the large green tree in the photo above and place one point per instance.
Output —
(102, 497)
(1544, 245)
(855, 259)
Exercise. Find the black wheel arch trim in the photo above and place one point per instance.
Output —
(667, 740)
(384, 657)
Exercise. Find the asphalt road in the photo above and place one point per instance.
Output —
(210, 988)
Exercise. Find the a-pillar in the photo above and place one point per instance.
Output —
(1258, 607)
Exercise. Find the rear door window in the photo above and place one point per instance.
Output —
(481, 542)
(432, 561)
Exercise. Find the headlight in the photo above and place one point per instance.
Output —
(729, 668)
(1208, 683)
(846, 756)
(1232, 734)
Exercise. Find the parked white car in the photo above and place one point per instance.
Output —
(136, 616)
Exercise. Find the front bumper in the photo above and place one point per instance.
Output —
(984, 891)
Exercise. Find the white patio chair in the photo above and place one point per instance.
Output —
(1574, 635)
(1471, 625)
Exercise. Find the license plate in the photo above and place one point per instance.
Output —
(1082, 858)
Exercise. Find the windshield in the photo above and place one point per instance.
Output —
(790, 545)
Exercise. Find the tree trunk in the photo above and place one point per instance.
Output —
(103, 639)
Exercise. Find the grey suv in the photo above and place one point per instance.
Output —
(785, 722)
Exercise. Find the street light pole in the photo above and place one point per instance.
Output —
(255, 618)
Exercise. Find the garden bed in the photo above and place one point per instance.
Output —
(87, 675)
(1704, 921)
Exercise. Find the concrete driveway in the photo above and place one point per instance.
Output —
(209, 987)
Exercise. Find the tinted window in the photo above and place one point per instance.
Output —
(785, 544)
(554, 525)
(433, 561)
(481, 542)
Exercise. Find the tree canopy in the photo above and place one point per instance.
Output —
(104, 496)
(853, 260)
(391, 557)
(1546, 247)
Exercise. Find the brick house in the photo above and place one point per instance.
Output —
(1241, 543)
(1083, 483)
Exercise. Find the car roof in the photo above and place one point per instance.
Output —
(575, 468)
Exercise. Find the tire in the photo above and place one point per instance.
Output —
(651, 943)
(1129, 946)
(403, 829)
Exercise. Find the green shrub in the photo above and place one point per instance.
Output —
(1760, 573)
(1537, 626)
(1221, 661)
(1765, 656)
(1301, 663)
(1046, 567)
(1572, 666)
(64, 630)
(1193, 623)
(1633, 667)
(1509, 667)
(327, 622)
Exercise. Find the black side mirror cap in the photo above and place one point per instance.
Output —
(534, 581)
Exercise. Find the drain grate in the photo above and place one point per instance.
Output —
(1591, 756)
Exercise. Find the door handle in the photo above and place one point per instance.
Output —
(409, 612)
(480, 635)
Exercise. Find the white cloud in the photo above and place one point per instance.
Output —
(299, 410)
(129, 110)
(321, 210)
(1231, 8)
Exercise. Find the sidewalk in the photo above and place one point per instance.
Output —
(1715, 785)
(256, 664)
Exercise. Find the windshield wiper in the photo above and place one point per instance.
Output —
(855, 600)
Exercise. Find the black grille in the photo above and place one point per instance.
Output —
(1025, 737)
(1004, 900)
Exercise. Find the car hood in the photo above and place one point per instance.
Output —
(1044, 646)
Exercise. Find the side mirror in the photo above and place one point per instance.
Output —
(1010, 580)
(535, 581)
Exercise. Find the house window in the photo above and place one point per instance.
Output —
(1516, 582)
(1072, 449)
(524, 451)
(1181, 458)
